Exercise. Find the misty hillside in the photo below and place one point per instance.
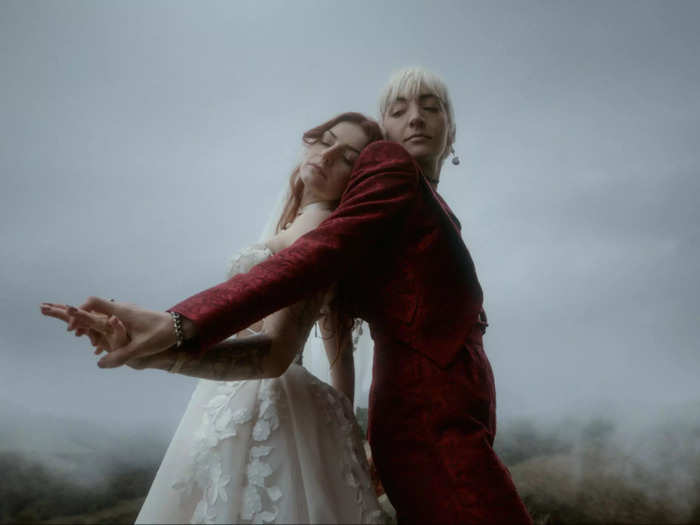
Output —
(54, 467)
(31, 492)
(642, 468)
(633, 467)
(75, 448)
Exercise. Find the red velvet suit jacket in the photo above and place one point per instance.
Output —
(392, 245)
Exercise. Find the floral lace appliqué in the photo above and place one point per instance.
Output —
(206, 474)
(258, 498)
(205, 471)
(248, 257)
(337, 410)
(220, 421)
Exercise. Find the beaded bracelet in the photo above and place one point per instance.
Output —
(179, 333)
(179, 341)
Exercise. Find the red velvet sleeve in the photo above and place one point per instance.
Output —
(382, 188)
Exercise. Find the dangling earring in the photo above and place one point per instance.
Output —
(455, 158)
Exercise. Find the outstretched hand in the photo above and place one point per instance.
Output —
(106, 333)
(126, 331)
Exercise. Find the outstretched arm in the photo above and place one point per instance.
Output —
(266, 354)
(381, 191)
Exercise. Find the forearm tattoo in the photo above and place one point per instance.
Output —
(251, 356)
(233, 359)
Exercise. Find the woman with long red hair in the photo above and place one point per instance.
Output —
(263, 439)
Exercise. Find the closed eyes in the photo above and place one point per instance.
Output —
(400, 111)
(349, 154)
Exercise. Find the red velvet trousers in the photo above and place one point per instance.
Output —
(431, 431)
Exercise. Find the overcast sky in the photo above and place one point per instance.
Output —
(143, 143)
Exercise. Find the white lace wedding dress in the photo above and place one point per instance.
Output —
(282, 450)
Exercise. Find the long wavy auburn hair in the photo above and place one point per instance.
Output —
(336, 318)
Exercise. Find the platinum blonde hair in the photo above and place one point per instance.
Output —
(409, 82)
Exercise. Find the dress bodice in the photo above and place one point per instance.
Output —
(243, 260)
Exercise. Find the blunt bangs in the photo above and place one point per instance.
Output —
(411, 81)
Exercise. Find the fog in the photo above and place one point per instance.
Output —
(142, 144)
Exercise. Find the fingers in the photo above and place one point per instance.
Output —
(62, 312)
(58, 311)
(74, 318)
(97, 340)
(90, 320)
(106, 332)
(120, 333)
(106, 323)
(98, 304)
(94, 338)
